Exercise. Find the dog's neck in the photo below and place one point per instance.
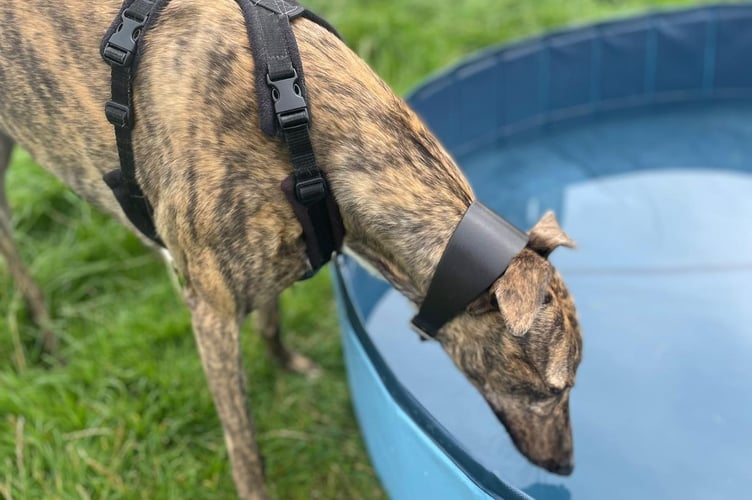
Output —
(400, 193)
(400, 216)
(401, 197)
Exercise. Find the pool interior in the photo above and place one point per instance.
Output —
(659, 201)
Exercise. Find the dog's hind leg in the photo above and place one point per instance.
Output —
(268, 325)
(21, 276)
(218, 340)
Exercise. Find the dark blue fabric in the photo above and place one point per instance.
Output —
(663, 57)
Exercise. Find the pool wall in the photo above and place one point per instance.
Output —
(576, 74)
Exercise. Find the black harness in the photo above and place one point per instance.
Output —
(478, 252)
(283, 110)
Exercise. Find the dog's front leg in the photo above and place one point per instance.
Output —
(218, 340)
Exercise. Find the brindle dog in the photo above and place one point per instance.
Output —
(213, 179)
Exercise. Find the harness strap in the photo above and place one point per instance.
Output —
(477, 254)
(120, 50)
(284, 112)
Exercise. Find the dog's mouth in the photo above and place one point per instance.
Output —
(544, 440)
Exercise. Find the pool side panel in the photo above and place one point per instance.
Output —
(409, 465)
(410, 452)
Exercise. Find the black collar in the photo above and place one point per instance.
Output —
(478, 253)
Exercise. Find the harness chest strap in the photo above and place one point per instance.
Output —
(283, 110)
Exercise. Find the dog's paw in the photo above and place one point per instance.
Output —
(302, 365)
(50, 350)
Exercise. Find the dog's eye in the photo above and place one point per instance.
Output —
(548, 298)
(555, 391)
(494, 302)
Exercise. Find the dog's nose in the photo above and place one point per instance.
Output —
(563, 469)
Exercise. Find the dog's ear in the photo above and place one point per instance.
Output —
(483, 304)
(521, 290)
(519, 293)
(546, 235)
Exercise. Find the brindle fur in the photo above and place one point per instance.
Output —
(213, 178)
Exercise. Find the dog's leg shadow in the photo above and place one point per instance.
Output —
(23, 279)
(268, 325)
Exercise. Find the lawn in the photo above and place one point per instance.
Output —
(130, 416)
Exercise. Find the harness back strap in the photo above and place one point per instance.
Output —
(120, 50)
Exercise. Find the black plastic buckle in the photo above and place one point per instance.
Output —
(289, 105)
(311, 190)
(121, 46)
(118, 114)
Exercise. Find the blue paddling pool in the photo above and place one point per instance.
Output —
(638, 134)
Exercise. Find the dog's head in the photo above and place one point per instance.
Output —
(520, 345)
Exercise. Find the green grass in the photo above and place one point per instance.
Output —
(130, 416)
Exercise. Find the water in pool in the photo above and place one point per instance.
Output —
(663, 284)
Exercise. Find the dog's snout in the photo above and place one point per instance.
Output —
(549, 445)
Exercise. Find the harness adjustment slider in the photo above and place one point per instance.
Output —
(311, 191)
(121, 46)
(294, 119)
(118, 114)
(289, 105)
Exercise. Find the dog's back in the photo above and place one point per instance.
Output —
(53, 84)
